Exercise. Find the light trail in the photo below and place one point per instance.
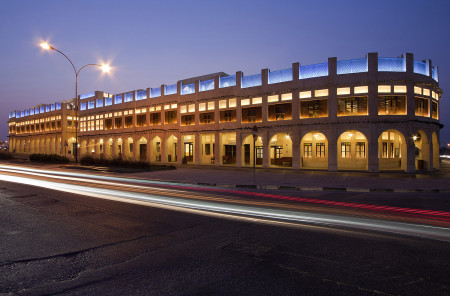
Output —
(442, 215)
(221, 209)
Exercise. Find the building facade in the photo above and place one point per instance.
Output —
(371, 114)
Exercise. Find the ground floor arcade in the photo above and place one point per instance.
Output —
(369, 148)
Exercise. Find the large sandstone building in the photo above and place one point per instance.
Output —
(371, 114)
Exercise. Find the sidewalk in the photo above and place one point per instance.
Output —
(306, 180)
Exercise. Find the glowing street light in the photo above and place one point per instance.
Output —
(105, 68)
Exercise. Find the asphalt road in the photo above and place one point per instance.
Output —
(60, 243)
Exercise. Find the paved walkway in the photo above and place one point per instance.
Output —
(307, 180)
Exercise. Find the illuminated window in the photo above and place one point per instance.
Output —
(307, 150)
(222, 104)
(202, 107)
(286, 97)
(211, 106)
(417, 90)
(272, 99)
(280, 112)
(257, 100)
(391, 105)
(141, 119)
(232, 103)
(171, 117)
(191, 108)
(314, 108)
(384, 88)
(352, 106)
(305, 94)
(360, 149)
(421, 108)
(183, 109)
(245, 102)
(434, 110)
(400, 88)
(321, 93)
(361, 89)
(426, 92)
(343, 91)
(345, 149)
(320, 150)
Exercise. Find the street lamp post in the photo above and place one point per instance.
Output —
(255, 136)
(105, 68)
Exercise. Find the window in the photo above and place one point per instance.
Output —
(208, 149)
(345, 149)
(118, 122)
(108, 123)
(360, 149)
(279, 112)
(314, 109)
(421, 107)
(352, 106)
(140, 120)
(187, 120)
(251, 115)
(227, 116)
(320, 150)
(307, 150)
(155, 118)
(206, 118)
(171, 117)
(391, 105)
(129, 121)
(434, 110)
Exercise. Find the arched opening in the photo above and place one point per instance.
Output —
(71, 146)
(422, 150)
(314, 151)
(155, 151)
(436, 163)
(228, 148)
(92, 150)
(119, 150)
(33, 146)
(101, 148)
(142, 149)
(248, 151)
(352, 151)
(84, 149)
(392, 151)
(280, 152)
(171, 148)
(188, 149)
(208, 145)
(128, 149)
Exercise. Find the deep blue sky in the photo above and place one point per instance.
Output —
(150, 43)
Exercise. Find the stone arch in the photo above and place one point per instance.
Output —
(248, 151)
(392, 150)
(314, 151)
(280, 150)
(142, 148)
(352, 151)
(155, 149)
(422, 150)
(171, 149)
(207, 147)
(228, 148)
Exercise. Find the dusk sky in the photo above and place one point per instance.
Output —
(149, 43)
